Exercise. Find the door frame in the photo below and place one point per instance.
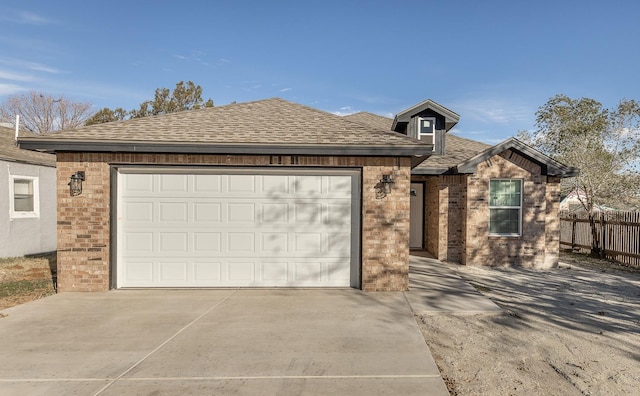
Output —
(356, 202)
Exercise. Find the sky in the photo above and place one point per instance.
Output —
(492, 62)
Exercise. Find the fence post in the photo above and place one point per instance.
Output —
(603, 238)
(573, 233)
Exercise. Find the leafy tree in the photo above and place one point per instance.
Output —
(603, 143)
(42, 113)
(185, 96)
(107, 115)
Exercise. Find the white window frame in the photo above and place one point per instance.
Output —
(432, 134)
(507, 207)
(14, 214)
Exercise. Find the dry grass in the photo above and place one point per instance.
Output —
(24, 279)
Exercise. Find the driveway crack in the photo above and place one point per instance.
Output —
(116, 379)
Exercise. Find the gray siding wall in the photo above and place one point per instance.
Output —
(24, 236)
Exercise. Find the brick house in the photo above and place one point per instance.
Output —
(276, 194)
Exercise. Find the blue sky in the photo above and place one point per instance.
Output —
(492, 62)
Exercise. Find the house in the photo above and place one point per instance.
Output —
(573, 203)
(28, 200)
(276, 194)
(476, 204)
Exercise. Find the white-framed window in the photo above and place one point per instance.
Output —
(427, 129)
(24, 201)
(505, 207)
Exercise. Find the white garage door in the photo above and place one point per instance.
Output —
(245, 228)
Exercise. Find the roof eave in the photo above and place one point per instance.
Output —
(430, 171)
(53, 146)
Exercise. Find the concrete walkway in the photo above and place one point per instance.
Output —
(434, 287)
(246, 342)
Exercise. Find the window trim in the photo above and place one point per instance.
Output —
(432, 134)
(521, 181)
(35, 213)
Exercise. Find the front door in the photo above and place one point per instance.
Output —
(416, 223)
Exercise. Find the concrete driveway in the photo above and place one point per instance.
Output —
(285, 342)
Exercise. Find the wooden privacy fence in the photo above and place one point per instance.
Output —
(618, 233)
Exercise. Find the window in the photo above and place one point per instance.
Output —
(505, 207)
(24, 196)
(427, 129)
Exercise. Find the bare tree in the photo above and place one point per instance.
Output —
(40, 113)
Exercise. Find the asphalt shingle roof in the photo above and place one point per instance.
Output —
(10, 152)
(265, 122)
(373, 120)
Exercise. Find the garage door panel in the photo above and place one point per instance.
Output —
(207, 272)
(234, 230)
(207, 183)
(173, 242)
(308, 213)
(136, 183)
(274, 213)
(274, 243)
(241, 242)
(173, 212)
(241, 213)
(172, 272)
(173, 183)
(138, 242)
(139, 272)
(243, 271)
(241, 184)
(138, 211)
(275, 185)
(207, 242)
(207, 212)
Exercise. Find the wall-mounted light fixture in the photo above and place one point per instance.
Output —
(75, 185)
(387, 182)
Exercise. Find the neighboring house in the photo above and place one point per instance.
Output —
(572, 203)
(276, 194)
(28, 201)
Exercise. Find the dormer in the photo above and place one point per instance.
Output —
(427, 121)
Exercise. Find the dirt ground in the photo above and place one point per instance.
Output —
(24, 279)
(574, 330)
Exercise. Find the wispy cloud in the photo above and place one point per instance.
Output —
(193, 56)
(24, 64)
(346, 110)
(7, 75)
(27, 18)
(10, 89)
(491, 111)
(286, 89)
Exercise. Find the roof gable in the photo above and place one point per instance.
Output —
(451, 118)
(549, 166)
(272, 126)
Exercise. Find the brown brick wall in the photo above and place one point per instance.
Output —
(385, 228)
(552, 223)
(84, 221)
(432, 215)
(530, 248)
